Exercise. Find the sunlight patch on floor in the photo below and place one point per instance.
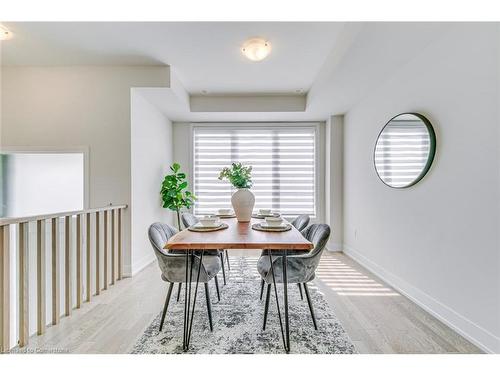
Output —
(347, 281)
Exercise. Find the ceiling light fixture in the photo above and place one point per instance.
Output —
(256, 49)
(4, 33)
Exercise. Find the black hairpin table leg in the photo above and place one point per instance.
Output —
(186, 311)
(194, 298)
(283, 334)
(285, 294)
(188, 321)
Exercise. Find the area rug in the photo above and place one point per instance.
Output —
(238, 317)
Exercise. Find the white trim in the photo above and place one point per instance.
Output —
(85, 150)
(335, 247)
(471, 331)
(127, 271)
(143, 263)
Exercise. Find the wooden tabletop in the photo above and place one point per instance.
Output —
(239, 236)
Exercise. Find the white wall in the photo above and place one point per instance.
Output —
(438, 241)
(151, 156)
(248, 103)
(64, 107)
(183, 149)
(334, 181)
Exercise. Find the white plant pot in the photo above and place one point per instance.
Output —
(243, 201)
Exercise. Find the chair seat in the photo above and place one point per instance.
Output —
(177, 271)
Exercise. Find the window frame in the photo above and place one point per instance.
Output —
(315, 126)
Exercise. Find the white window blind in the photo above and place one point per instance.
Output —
(283, 161)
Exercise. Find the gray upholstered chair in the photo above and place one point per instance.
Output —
(300, 267)
(189, 219)
(300, 223)
(173, 265)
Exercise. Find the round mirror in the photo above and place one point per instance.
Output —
(404, 150)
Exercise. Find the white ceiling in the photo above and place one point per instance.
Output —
(336, 64)
(364, 57)
(205, 55)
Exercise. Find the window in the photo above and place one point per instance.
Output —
(35, 183)
(283, 160)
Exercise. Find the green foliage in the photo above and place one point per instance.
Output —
(238, 175)
(173, 190)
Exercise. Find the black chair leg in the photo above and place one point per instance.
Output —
(261, 288)
(217, 288)
(179, 291)
(167, 300)
(266, 307)
(209, 307)
(309, 302)
(227, 259)
(300, 290)
(221, 256)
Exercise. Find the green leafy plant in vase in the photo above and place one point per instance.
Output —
(174, 193)
(243, 200)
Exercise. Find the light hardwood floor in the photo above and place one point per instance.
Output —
(377, 318)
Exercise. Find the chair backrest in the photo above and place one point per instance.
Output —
(189, 219)
(302, 267)
(172, 266)
(301, 222)
(318, 234)
(159, 234)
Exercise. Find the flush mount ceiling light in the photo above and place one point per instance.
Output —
(256, 49)
(4, 33)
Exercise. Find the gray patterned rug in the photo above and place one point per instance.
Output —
(238, 321)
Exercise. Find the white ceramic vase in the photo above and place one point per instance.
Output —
(243, 201)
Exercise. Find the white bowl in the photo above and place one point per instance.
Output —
(264, 211)
(208, 221)
(224, 211)
(274, 221)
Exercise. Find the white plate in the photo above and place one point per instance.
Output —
(272, 214)
(266, 225)
(214, 225)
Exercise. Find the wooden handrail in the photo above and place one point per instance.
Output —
(110, 250)
(25, 219)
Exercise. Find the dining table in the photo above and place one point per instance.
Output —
(237, 235)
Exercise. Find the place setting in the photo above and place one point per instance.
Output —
(264, 213)
(225, 213)
(208, 223)
(272, 222)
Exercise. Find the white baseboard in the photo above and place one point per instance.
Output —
(471, 331)
(141, 264)
(127, 271)
(334, 246)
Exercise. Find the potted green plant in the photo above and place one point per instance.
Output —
(243, 200)
(174, 192)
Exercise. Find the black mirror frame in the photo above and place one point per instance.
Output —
(432, 149)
